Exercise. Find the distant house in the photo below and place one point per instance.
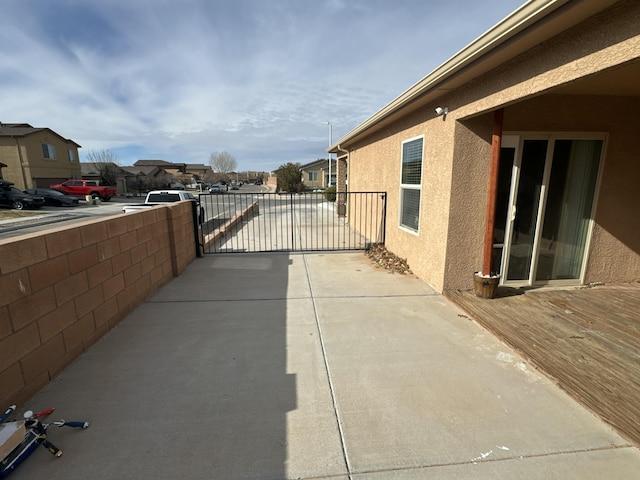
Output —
(179, 171)
(96, 171)
(175, 169)
(144, 178)
(316, 174)
(36, 157)
(199, 170)
(517, 155)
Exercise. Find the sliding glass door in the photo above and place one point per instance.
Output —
(545, 224)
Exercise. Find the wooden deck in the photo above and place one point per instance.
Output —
(587, 339)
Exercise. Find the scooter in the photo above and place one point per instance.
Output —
(20, 438)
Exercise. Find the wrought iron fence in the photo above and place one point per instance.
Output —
(271, 222)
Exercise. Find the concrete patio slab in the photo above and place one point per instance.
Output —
(414, 387)
(277, 366)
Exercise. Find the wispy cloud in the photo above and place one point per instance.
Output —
(178, 80)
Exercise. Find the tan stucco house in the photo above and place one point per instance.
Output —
(172, 168)
(199, 170)
(36, 157)
(123, 179)
(517, 155)
(143, 179)
(316, 174)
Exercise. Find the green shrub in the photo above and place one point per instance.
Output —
(330, 194)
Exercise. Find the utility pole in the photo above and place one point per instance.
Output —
(330, 143)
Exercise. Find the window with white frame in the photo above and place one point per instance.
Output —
(72, 155)
(48, 151)
(411, 183)
(313, 175)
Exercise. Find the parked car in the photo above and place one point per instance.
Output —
(83, 188)
(235, 186)
(13, 198)
(54, 198)
(213, 189)
(161, 197)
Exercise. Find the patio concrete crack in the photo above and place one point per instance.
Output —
(328, 371)
(494, 460)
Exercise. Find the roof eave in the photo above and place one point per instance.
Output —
(513, 25)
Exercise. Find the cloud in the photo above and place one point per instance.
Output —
(178, 80)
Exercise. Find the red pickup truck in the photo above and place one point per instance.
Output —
(82, 188)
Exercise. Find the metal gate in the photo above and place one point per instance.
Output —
(272, 222)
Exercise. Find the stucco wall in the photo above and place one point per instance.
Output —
(64, 288)
(448, 248)
(9, 156)
(33, 163)
(468, 207)
(602, 42)
(376, 166)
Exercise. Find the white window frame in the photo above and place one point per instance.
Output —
(313, 175)
(48, 151)
(410, 186)
(72, 156)
(516, 141)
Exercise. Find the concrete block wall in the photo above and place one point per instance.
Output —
(63, 288)
(229, 228)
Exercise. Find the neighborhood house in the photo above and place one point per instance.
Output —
(36, 157)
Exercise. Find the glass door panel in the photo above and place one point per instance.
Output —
(507, 157)
(561, 249)
(530, 174)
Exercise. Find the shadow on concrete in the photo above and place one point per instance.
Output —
(193, 383)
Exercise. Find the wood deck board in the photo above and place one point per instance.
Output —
(603, 307)
(587, 339)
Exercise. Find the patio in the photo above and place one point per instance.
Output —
(586, 339)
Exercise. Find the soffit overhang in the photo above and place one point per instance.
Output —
(533, 23)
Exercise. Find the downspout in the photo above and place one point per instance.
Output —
(496, 140)
(339, 148)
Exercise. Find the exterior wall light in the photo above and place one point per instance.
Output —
(442, 111)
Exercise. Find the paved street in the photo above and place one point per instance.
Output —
(48, 216)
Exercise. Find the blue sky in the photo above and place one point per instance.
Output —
(179, 79)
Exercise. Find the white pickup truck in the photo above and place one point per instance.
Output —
(160, 197)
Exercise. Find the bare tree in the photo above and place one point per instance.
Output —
(106, 163)
(223, 162)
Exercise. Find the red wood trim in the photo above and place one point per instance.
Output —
(496, 139)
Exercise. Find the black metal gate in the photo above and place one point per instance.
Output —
(272, 222)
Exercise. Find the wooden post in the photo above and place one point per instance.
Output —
(496, 139)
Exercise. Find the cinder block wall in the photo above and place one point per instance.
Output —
(64, 288)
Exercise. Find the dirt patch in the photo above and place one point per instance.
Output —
(11, 214)
(382, 258)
